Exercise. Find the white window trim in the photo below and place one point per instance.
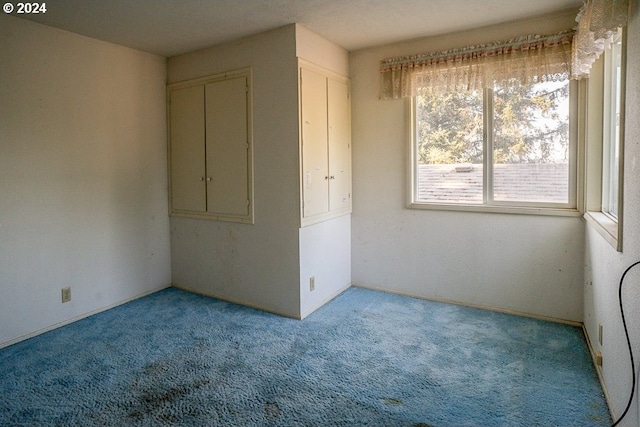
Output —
(605, 226)
(572, 209)
(609, 228)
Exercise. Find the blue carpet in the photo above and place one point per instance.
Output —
(365, 359)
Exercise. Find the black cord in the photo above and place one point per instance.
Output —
(626, 333)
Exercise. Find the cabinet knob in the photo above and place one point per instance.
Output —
(332, 177)
(208, 179)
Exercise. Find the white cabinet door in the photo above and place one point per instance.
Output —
(325, 114)
(210, 147)
(315, 162)
(339, 141)
(226, 147)
(188, 188)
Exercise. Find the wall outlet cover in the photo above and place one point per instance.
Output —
(66, 294)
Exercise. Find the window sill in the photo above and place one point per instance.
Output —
(517, 210)
(605, 226)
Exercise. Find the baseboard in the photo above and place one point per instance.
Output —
(325, 300)
(599, 372)
(479, 306)
(516, 313)
(234, 301)
(80, 317)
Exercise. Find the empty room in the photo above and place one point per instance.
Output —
(320, 213)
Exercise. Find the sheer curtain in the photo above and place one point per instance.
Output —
(598, 22)
(524, 60)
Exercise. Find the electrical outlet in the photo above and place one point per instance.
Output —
(66, 294)
(600, 333)
(312, 283)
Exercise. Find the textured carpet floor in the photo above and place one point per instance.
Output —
(365, 359)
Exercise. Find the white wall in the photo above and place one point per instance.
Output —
(325, 254)
(528, 264)
(254, 264)
(325, 248)
(313, 48)
(266, 264)
(82, 176)
(604, 265)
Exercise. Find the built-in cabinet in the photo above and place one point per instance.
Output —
(290, 260)
(325, 141)
(210, 147)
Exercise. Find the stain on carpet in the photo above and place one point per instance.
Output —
(151, 400)
(392, 401)
(272, 410)
(185, 360)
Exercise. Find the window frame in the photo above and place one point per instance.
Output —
(572, 208)
(598, 136)
(612, 131)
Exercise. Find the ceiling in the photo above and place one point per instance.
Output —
(172, 27)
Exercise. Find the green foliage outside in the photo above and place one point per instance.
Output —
(530, 125)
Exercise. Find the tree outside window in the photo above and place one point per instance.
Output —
(508, 145)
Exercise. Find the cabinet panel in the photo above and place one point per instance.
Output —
(325, 137)
(226, 147)
(339, 127)
(210, 147)
(188, 188)
(315, 167)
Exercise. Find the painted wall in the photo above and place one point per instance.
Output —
(320, 51)
(325, 254)
(528, 264)
(604, 265)
(325, 248)
(266, 264)
(254, 264)
(82, 176)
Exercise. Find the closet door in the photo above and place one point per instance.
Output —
(339, 128)
(315, 164)
(187, 135)
(227, 147)
(210, 147)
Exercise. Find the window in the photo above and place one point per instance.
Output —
(508, 148)
(493, 127)
(605, 142)
(612, 133)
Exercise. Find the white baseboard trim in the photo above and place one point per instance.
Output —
(234, 301)
(522, 314)
(325, 300)
(259, 307)
(599, 372)
(470, 305)
(80, 317)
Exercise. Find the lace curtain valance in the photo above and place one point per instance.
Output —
(524, 60)
(598, 22)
